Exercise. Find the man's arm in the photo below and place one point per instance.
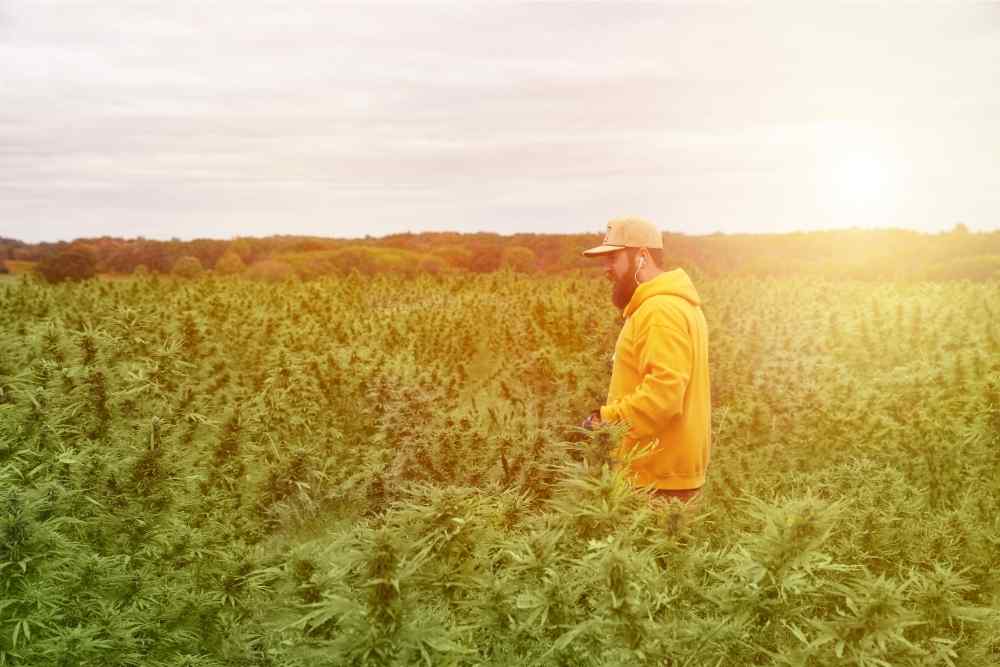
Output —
(665, 361)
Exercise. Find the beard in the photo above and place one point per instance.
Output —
(624, 288)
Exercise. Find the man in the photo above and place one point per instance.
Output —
(659, 382)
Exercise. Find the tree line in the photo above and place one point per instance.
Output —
(889, 254)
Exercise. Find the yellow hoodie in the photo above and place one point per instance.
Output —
(660, 384)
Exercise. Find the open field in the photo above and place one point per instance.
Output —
(385, 471)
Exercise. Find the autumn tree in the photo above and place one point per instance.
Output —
(187, 267)
(454, 256)
(433, 264)
(520, 259)
(74, 263)
(241, 247)
(486, 258)
(270, 270)
(230, 263)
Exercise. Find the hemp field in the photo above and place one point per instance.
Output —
(385, 471)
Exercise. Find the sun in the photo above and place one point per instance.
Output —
(859, 182)
(860, 178)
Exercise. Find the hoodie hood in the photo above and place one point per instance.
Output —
(671, 283)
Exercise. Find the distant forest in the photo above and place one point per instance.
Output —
(890, 254)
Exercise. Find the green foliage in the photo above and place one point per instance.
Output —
(857, 254)
(373, 470)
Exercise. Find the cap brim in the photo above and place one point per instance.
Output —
(601, 249)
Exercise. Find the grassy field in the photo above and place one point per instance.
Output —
(386, 471)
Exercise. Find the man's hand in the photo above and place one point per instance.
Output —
(592, 421)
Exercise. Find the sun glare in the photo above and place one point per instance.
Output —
(860, 178)
(859, 182)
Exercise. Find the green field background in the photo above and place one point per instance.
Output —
(386, 470)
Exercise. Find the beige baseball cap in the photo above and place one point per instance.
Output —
(628, 233)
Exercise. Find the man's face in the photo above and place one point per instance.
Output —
(620, 270)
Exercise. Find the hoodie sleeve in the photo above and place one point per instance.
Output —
(665, 361)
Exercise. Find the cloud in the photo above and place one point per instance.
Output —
(192, 119)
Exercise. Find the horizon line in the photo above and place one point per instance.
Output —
(831, 230)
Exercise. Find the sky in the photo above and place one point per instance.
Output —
(234, 118)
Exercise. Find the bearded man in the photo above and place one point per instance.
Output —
(659, 380)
